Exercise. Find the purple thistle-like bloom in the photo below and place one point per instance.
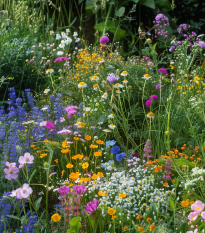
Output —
(135, 155)
(111, 78)
(50, 125)
(158, 86)
(148, 103)
(172, 48)
(154, 97)
(201, 44)
(104, 40)
(63, 190)
(80, 189)
(71, 110)
(162, 70)
(91, 207)
(61, 59)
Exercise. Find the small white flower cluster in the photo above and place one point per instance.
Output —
(134, 191)
(192, 181)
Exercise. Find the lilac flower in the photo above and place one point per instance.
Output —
(147, 149)
(11, 173)
(158, 86)
(50, 125)
(200, 44)
(80, 189)
(161, 21)
(64, 131)
(148, 103)
(61, 59)
(112, 78)
(167, 170)
(91, 207)
(104, 40)
(172, 48)
(162, 70)
(71, 110)
(154, 97)
(63, 190)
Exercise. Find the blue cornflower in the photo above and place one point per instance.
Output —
(121, 156)
(115, 149)
(110, 143)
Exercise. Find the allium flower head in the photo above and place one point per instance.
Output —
(104, 40)
(154, 97)
(148, 103)
(162, 70)
(63, 190)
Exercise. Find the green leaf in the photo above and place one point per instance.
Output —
(89, 4)
(12, 216)
(152, 213)
(182, 228)
(80, 1)
(120, 12)
(183, 161)
(176, 182)
(171, 203)
(202, 227)
(37, 202)
(165, 3)
(32, 176)
(110, 24)
(148, 3)
(154, 46)
(162, 161)
(75, 225)
(120, 33)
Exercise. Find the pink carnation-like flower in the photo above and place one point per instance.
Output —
(63, 190)
(11, 173)
(154, 97)
(92, 206)
(50, 125)
(61, 59)
(71, 110)
(198, 206)
(148, 103)
(104, 40)
(162, 70)
(80, 189)
(193, 216)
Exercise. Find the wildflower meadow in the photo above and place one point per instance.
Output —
(106, 135)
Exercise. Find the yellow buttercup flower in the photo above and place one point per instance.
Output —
(85, 165)
(56, 217)
(111, 211)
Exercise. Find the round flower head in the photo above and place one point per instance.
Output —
(82, 85)
(154, 97)
(148, 103)
(150, 115)
(63, 190)
(80, 190)
(158, 86)
(162, 70)
(146, 76)
(104, 40)
(193, 216)
(25, 191)
(198, 206)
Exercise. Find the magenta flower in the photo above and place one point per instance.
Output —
(50, 125)
(111, 78)
(104, 40)
(198, 206)
(158, 86)
(193, 216)
(71, 110)
(91, 207)
(148, 103)
(80, 189)
(61, 59)
(11, 173)
(27, 158)
(154, 97)
(162, 70)
(63, 190)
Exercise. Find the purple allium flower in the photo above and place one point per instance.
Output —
(50, 125)
(148, 103)
(162, 70)
(104, 40)
(80, 189)
(61, 59)
(63, 190)
(111, 78)
(154, 97)
(91, 207)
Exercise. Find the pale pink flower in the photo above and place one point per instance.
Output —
(11, 173)
(25, 191)
(43, 123)
(27, 158)
(10, 164)
(64, 131)
(203, 214)
(193, 216)
(198, 206)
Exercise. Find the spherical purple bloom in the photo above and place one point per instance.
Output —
(104, 40)
(50, 125)
(172, 48)
(111, 78)
(148, 103)
(91, 207)
(162, 70)
(61, 59)
(154, 97)
(158, 86)
(201, 44)
(63, 190)
(135, 155)
(80, 189)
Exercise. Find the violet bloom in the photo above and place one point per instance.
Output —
(158, 86)
(148, 103)
(172, 48)
(147, 149)
(135, 155)
(11, 173)
(80, 189)
(64, 131)
(50, 125)
(167, 170)
(91, 207)
(111, 78)
(154, 97)
(61, 59)
(71, 110)
(104, 40)
(200, 44)
(63, 190)
(162, 70)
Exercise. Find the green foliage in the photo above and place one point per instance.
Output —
(75, 225)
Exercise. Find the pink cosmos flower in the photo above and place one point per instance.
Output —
(198, 206)
(148, 103)
(154, 97)
(10, 164)
(11, 173)
(50, 125)
(104, 40)
(25, 191)
(27, 158)
(203, 215)
(193, 216)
